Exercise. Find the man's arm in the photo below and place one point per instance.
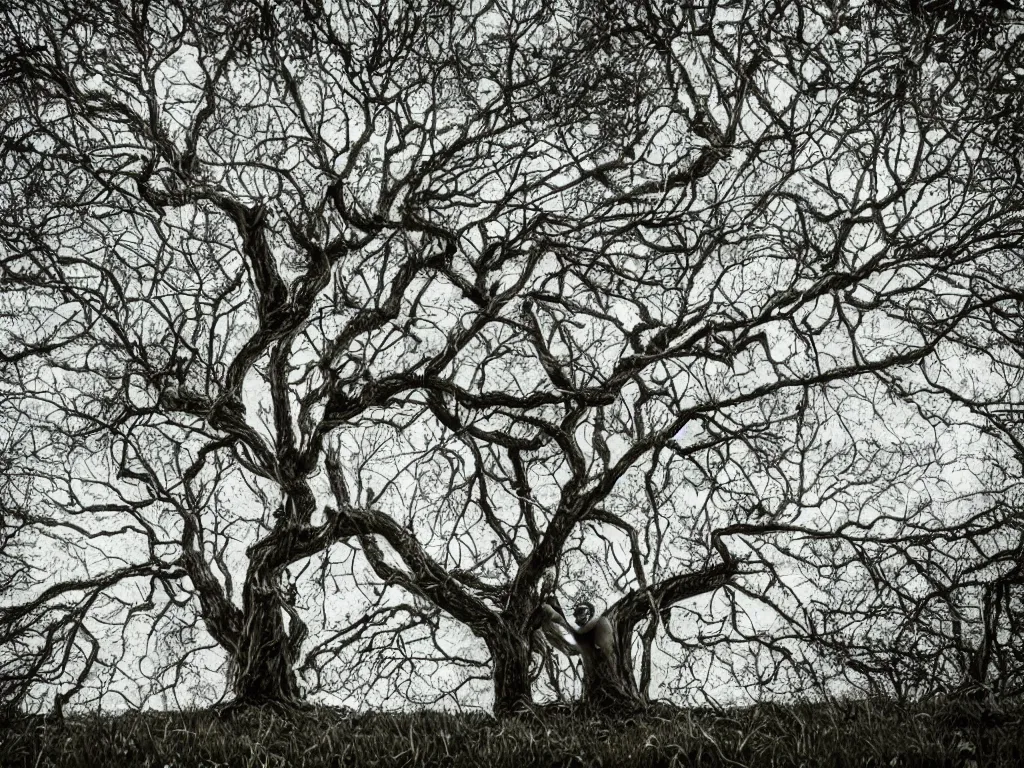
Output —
(558, 631)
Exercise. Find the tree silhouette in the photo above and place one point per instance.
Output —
(484, 289)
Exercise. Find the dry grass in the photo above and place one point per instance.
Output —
(875, 733)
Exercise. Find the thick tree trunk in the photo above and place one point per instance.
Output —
(611, 689)
(510, 656)
(608, 681)
(265, 663)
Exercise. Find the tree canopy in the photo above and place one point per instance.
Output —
(340, 336)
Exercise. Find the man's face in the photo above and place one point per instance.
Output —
(581, 614)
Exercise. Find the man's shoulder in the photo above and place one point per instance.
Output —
(598, 622)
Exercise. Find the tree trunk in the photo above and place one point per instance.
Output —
(608, 681)
(610, 689)
(265, 672)
(510, 656)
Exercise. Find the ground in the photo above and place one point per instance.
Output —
(854, 733)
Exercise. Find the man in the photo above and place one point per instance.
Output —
(606, 682)
(594, 640)
(595, 635)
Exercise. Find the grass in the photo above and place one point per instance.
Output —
(866, 733)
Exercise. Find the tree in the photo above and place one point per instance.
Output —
(459, 283)
(15, 673)
(968, 62)
(874, 244)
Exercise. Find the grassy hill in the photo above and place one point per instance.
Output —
(864, 733)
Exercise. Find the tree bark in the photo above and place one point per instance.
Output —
(608, 681)
(510, 657)
(267, 651)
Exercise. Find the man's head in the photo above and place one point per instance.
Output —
(583, 612)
